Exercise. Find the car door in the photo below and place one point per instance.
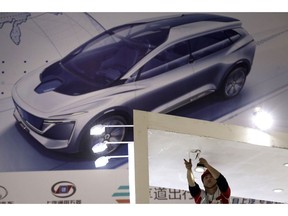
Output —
(163, 82)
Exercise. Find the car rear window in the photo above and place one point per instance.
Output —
(208, 44)
(206, 40)
(232, 34)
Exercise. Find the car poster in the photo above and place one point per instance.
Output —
(37, 118)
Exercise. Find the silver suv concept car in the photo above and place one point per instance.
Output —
(156, 65)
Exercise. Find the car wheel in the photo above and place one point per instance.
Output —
(96, 144)
(234, 82)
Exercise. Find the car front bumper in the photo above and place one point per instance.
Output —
(47, 142)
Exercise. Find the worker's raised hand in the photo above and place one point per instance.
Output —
(188, 164)
(203, 161)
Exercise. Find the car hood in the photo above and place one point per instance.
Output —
(52, 103)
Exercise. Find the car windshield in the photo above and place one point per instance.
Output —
(110, 55)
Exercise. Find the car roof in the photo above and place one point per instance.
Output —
(182, 19)
(183, 25)
(198, 28)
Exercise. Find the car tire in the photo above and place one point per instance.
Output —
(234, 82)
(112, 134)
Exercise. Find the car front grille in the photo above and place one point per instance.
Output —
(58, 130)
(31, 119)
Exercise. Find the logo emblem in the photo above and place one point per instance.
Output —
(63, 189)
(3, 192)
(122, 195)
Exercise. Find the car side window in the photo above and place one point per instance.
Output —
(169, 59)
(208, 44)
(232, 34)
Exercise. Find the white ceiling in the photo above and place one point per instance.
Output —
(252, 171)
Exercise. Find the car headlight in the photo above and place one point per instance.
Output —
(60, 130)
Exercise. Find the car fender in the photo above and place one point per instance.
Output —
(240, 63)
(127, 113)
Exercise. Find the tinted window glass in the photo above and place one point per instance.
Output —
(232, 34)
(207, 40)
(108, 56)
(208, 44)
(169, 59)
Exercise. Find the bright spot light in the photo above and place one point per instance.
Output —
(200, 168)
(262, 119)
(97, 130)
(99, 147)
(278, 190)
(102, 161)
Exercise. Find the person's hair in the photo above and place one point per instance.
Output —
(204, 174)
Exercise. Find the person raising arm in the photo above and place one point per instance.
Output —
(217, 189)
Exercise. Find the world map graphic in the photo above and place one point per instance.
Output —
(15, 20)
